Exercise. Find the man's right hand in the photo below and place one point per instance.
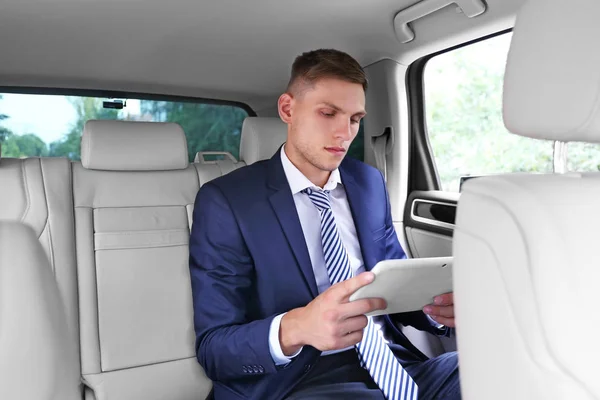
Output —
(330, 321)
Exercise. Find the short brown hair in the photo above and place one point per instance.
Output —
(326, 63)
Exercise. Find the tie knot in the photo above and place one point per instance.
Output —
(320, 198)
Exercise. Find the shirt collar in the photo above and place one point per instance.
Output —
(298, 181)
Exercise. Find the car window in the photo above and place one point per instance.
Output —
(357, 148)
(51, 125)
(583, 157)
(463, 101)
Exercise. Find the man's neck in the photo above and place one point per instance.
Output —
(317, 176)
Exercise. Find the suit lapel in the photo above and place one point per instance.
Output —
(359, 206)
(283, 204)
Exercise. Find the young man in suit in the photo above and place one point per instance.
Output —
(278, 247)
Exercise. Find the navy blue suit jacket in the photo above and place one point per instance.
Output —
(249, 262)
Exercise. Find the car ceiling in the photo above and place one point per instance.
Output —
(224, 49)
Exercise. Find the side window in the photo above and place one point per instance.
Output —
(51, 125)
(463, 102)
(583, 157)
(357, 148)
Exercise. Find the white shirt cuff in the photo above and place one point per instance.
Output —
(435, 323)
(274, 346)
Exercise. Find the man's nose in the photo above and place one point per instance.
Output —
(344, 130)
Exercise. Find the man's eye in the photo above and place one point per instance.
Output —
(355, 121)
(326, 114)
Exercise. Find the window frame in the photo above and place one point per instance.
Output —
(423, 171)
(108, 94)
(116, 94)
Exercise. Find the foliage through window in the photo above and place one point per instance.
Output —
(357, 148)
(50, 125)
(583, 157)
(463, 99)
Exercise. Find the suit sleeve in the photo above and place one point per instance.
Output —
(228, 345)
(393, 250)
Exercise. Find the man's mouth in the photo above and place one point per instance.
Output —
(336, 150)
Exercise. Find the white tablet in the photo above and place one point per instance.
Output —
(409, 284)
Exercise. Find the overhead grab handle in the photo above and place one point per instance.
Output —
(404, 33)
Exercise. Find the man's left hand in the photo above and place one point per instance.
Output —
(442, 310)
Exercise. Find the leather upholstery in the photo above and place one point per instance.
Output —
(525, 245)
(38, 351)
(209, 170)
(133, 146)
(38, 193)
(525, 268)
(552, 81)
(125, 286)
(261, 137)
(132, 228)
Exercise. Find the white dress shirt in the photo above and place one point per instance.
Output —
(310, 220)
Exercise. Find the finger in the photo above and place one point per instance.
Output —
(441, 311)
(351, 339)
(361, 307)
(343, 290)
(353, 324)
(446, 299)
(449, 322)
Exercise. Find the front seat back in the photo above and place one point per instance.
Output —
(134, 193)
(38, 352)
(525, 246)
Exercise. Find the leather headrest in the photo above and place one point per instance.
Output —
(261, 137)
(133, 146)
(552, 81)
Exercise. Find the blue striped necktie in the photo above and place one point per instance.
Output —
(373, 351)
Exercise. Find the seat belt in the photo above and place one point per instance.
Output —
(382, 146)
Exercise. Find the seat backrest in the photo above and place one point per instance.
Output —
(38, 351)
(260, 139)
(134, 192)
(38, 193)
(209, 170)
(525, 246)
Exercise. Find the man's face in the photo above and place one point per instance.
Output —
(324, 120)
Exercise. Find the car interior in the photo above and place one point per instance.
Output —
(482, 116)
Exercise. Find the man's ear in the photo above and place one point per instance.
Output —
(284, 107)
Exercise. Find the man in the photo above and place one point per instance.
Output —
(278, 247)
